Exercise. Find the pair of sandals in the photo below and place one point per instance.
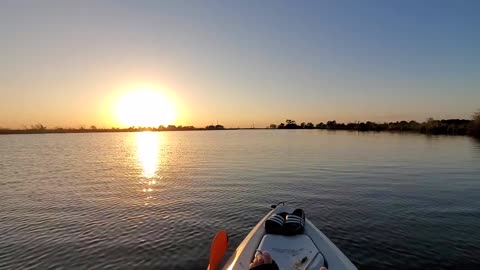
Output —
(286, 223)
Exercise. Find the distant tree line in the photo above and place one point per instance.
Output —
(40, 128)
(431, 126)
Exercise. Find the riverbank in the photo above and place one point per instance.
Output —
(431, 126)
(104, 130)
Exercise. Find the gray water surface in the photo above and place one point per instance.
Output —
(155, 200)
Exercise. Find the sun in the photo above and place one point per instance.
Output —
(145, 108)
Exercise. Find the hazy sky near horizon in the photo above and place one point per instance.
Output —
(240, 62)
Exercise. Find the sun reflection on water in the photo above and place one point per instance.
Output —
(147, 150)
(148, 154)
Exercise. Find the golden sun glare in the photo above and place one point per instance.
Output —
(146, 108)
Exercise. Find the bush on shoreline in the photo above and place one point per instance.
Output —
(475, 125)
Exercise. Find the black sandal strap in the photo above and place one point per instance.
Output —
(278, 219)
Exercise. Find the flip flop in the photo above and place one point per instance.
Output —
(295, 222)
(275, 224)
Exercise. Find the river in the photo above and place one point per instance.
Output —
(154, 200)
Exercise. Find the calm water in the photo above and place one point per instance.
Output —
(155, 200)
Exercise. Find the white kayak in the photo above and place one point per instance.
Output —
(309, 250)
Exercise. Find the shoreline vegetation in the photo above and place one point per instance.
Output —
(430, 126)
(41, 129)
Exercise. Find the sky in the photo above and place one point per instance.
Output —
(241, 63)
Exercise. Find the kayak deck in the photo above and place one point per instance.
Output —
(289, 252)
(292, 252)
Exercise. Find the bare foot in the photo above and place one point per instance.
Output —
(266, 258)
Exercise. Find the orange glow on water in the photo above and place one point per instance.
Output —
(148, 153)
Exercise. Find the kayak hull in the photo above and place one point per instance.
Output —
(310, 250)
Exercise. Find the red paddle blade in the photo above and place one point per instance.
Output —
(217, 250)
